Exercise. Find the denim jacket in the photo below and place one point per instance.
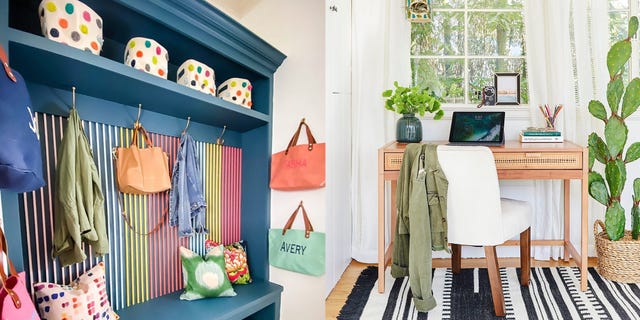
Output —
(187, 207)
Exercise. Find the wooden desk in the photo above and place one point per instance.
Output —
(514, 160)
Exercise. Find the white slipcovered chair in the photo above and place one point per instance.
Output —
(478, 217)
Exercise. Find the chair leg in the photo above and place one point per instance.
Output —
(525, 256)
(456, 258)
(494, 280)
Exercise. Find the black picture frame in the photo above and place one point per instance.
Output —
(507, 86)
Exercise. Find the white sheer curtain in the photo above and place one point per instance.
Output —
(591, 20)
(551, 28)
(381, 41)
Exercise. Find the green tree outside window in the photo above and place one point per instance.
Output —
(465, 44)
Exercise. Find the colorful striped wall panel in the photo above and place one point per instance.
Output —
(139, 268)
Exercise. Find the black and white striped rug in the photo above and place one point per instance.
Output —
(552, 294)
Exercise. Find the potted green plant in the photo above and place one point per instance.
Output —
(408, 102)
(615, 244)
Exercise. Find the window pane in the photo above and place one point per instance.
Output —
(491, 34)
(443, 76)
(618, 25)
(481, 73)
(496, 34)
(454, 4)
(618, 30)
(443, 36)
(618, 4)
(495, 4)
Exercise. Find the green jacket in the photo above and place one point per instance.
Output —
(79, 204)
(422, 220)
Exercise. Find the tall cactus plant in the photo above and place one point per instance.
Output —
(610, 150)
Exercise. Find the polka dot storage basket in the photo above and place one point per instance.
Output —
(236, 90)
(73, 23)
(147, 55)
(197, 75)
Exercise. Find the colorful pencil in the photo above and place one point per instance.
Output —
(550, 117)
(546, 115)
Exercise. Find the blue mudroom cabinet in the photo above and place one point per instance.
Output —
(108, 92)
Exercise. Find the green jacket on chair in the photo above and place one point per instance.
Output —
(422, 220)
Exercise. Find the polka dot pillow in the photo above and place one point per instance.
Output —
(86, 298)
(204, 278)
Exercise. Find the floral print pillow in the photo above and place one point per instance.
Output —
(236, 265)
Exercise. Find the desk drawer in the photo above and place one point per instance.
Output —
(538, 160)
(511, 160)
(393, 161)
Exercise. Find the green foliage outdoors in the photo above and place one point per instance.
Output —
(416, 99)
(437, 46)
(609, 151)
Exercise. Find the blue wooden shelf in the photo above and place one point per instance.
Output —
(56, 65)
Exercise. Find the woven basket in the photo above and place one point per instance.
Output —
(617, 260)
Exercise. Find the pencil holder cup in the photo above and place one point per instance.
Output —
(73, 23)
(550, 115)
(550, 126)
(236, 90)
(147, 55)
(198, 76)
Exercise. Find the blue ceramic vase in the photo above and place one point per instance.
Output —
(408, 129)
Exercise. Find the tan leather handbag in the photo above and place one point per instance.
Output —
(142, 170)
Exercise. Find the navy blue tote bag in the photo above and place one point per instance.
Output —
(20, 155)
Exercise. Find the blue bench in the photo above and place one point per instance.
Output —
(258, 300)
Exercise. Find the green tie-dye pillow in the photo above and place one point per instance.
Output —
(204, 278)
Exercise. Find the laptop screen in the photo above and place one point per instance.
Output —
(477, 127)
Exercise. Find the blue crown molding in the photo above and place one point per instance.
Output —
(4, 22)
(212, 28)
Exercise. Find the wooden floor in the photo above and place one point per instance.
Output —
(340, 292)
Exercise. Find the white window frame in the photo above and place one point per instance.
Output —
(634, 10)
(466, 57)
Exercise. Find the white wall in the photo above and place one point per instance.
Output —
(236, 9)
(338, 120)
(297, 28)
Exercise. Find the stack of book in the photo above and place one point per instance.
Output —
(540, 135)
